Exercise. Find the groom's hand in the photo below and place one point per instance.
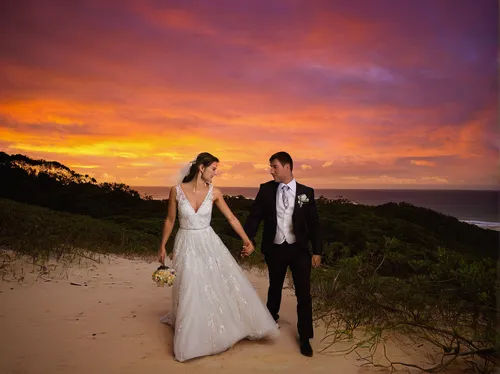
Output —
(316, 261)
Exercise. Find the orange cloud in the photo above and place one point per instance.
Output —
(422, 163)
(131, 94)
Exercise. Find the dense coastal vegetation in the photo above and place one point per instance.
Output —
(388, 270)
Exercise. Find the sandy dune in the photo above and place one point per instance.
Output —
(109, 323)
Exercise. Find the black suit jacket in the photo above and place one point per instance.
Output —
(305, 220)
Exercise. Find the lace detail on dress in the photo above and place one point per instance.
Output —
(188, 218)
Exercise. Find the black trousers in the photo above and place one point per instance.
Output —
(298, 259)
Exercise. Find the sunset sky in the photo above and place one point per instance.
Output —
(361, 93)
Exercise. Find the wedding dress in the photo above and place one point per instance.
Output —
(214, 305)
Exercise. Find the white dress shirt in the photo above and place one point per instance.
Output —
(284, 231)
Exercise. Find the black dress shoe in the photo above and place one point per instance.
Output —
(305, 348)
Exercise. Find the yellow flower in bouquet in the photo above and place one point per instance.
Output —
(164, 275)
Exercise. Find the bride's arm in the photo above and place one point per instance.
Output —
(233, 221)
(169, 223)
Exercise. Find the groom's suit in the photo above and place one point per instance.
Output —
(285, 244)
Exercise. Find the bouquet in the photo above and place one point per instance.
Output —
(164, 275)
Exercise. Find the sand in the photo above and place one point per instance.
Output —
(107, 321)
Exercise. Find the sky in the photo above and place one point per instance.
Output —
(361, 93)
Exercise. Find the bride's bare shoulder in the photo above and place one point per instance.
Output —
(216, 192)
(173, 192)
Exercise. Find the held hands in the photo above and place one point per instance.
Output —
(247, 250)
(316, 261)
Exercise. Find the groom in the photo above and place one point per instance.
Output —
(291, 221)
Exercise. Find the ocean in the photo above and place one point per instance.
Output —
(481, 208)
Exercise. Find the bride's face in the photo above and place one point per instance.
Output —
(208, 173)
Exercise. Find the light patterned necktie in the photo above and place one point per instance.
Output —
(284, 196)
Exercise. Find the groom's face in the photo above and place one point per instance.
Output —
(278, 171)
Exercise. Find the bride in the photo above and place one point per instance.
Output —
(214, 305)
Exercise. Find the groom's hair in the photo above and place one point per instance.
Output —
(284, 158)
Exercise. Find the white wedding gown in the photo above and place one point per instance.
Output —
(214, 305)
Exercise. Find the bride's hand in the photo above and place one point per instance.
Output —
(248, 248)
(171, 256)
(161, 255)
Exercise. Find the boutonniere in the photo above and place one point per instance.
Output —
(301, 199)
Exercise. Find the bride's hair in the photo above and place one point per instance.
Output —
(205, 159)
